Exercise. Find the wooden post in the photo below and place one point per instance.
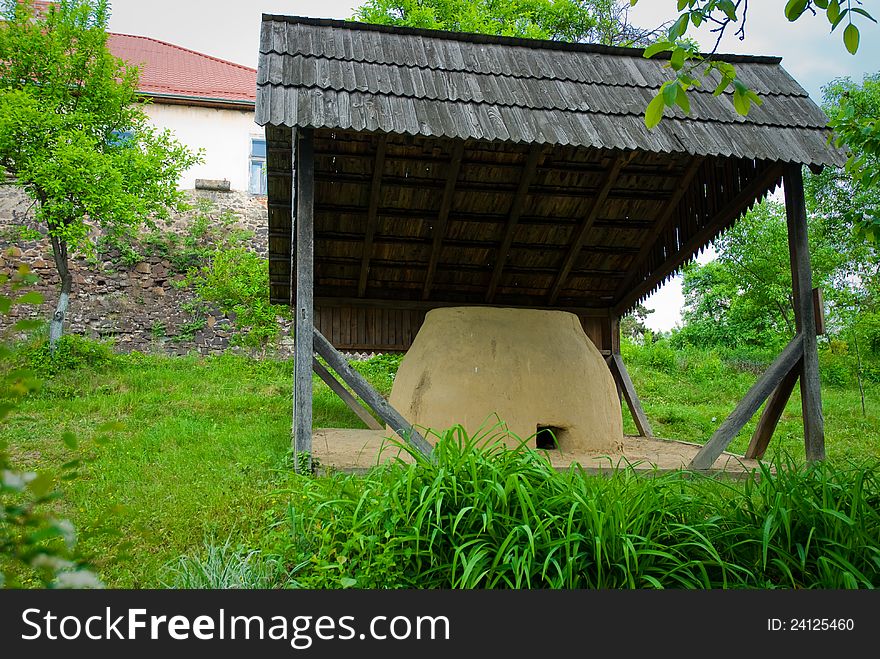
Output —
(805, 316)
(368, 394)
(304, 352)
(337, 387)
(747, 407)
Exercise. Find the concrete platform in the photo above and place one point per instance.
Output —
(356, 451)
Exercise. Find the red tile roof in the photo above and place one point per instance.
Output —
(172, 72)
(169, 70)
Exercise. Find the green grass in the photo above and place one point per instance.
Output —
(197, 453)
(690, 397)
(482, 516)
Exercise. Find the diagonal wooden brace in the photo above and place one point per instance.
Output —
(625, 384)
(747, 407)
(337, 388)
(369, 395)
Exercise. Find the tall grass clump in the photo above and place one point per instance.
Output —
(480, 515)
(221, 567)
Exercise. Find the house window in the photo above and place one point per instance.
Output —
(258, 166)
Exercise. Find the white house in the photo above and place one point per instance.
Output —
(207, 102)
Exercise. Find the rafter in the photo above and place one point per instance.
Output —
(526, 178)
(372, 215)
(443, 216)
(761, 184)
(580, 235)
(660, 225)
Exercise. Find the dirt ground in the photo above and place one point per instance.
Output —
(358, 450)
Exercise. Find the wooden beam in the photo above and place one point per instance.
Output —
(772, 413)
(662, 221)
(369, 395)
(527, 176)
(759, 186)
(443, 216)
(747, 407)
(372, 214)
(304, 194)
(580, 233)
(621, 376)
(337, 387)
(427, 305)
(805, 317)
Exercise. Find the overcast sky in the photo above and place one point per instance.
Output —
(230, 29)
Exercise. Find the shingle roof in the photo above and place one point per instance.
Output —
(169, 70)
(336, 74)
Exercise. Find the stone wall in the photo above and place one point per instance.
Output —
(142, 307)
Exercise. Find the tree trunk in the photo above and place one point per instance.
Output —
(56, 326)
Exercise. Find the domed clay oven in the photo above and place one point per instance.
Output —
(536, 370)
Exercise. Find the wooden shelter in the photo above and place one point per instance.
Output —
(412, 169)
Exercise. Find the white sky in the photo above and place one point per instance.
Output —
(230, 29)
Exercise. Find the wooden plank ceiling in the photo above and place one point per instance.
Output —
(430, 222)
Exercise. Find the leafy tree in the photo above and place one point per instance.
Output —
(691, 68)
(853, 195)
(632, 326)
(595, 21)
(74, 134)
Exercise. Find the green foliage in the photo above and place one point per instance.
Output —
(73, 352)
(33, 538)
(854, 112)
(205, 232)
(65, 101)
(691, 68)
(480, 515)
(236, 279)
(595, 21)
(19, 233)
(743, 297)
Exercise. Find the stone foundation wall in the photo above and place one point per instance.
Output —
(142, 307)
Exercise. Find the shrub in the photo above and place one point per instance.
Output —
(237, 281)
(72, 352)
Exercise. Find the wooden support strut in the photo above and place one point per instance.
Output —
(805, 315)
(372, 214)
(369, 395)
(443, 217)
(516, 208)
(580, 235)
(772, 413)
(621, 376)
(747, 407)
(337, 387)
(303, 233)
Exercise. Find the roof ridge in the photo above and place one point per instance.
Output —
(184, 49)
(505, 41)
